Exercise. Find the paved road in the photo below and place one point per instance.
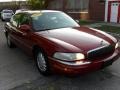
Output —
(15, 67)
(18, 72)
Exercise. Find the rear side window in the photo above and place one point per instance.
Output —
(25, 19)
(15, 20)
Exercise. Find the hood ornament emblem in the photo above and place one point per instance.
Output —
(101, 43)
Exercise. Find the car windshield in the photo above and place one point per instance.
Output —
(52, 20)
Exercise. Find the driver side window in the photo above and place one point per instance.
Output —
(25, 19)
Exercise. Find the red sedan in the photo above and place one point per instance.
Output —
(59, 44)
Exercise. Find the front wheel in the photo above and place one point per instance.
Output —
(42, 62)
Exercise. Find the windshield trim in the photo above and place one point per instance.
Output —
(54, 29)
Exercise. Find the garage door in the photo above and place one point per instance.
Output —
(114, 12)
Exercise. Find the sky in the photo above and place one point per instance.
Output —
(10, 0)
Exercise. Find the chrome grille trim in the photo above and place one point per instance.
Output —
(100, 52)
(97, 49)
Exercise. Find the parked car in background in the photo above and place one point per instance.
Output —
(6, 14)
(59, 44)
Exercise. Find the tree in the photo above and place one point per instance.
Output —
(38, 4)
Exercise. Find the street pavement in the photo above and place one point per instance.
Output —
(15, 67)
(18, 72)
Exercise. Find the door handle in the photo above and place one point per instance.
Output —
(24, 34)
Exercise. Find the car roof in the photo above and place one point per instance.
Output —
(38, 11)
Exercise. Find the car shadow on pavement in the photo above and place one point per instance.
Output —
(24, 68)
(92, 81)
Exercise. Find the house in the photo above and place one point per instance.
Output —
(12, 5)
(112, 11)
(80, 9)
(97, 10)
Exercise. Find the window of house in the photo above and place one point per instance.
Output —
(78, 5)
(56, 4)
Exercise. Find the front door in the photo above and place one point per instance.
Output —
(114, 12)
(25, 37)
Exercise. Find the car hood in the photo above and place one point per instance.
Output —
(81, 38)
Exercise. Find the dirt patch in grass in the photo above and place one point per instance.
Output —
(85, 22)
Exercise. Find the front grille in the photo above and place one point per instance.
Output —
(100, 52)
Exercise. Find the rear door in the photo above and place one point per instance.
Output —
(13, 31)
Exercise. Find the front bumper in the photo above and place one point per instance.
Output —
(95, 65)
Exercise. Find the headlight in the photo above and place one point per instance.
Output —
(116, 46)
(69, 56)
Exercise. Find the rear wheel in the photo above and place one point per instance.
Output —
(42, 62)
(9, 42)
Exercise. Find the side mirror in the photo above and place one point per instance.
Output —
(77, 21)
(25, 28)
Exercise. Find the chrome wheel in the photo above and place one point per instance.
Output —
(41, 62)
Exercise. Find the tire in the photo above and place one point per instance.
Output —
(2, 19)
(9, 42)
(42, 62)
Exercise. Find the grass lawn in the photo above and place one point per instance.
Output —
(106, 28)
(112, 29)
(84, 22)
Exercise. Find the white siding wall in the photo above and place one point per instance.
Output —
(106, 8)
